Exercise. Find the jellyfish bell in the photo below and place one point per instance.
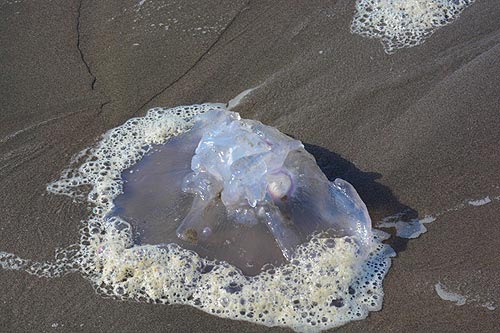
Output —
(238, 191)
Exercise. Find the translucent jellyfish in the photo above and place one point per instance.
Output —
(236, 190)
(189, 205)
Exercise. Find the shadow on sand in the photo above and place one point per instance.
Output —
(378, 198)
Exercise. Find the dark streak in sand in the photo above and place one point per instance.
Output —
(200, 59)
(78, 38)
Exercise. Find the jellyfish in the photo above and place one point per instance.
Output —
(236, 190)
(194, 205)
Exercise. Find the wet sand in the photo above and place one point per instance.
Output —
(416, 130)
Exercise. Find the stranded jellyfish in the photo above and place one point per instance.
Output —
(238, 191)
(194, 205)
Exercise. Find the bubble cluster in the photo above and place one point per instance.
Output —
(404, 23)
(327, 283)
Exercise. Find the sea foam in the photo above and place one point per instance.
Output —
(404, 23)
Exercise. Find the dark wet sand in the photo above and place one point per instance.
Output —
(418, 130)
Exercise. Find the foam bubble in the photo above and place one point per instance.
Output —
(404, 23)
(240, 97)
(480, 202)
(461, 294)
(448, 295)
(404, 228)
(328, 283)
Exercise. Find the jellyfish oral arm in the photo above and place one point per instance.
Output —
(259, 175)
(286, 238)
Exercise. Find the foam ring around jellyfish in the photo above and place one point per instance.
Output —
(194, 205)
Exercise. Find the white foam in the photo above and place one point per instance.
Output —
(465, 297)
(325, 286)
(237, 100)
(65, 262)
(489, 305)
(409, 230)
(448, 295)
(415, 227)
(406, 229)
(480, 202)
(404, 23)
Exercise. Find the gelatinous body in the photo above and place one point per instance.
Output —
(239, 191)
(133, 181)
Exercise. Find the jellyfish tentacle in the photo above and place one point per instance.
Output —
(200, 222)
(282, 229)
(349, 205)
